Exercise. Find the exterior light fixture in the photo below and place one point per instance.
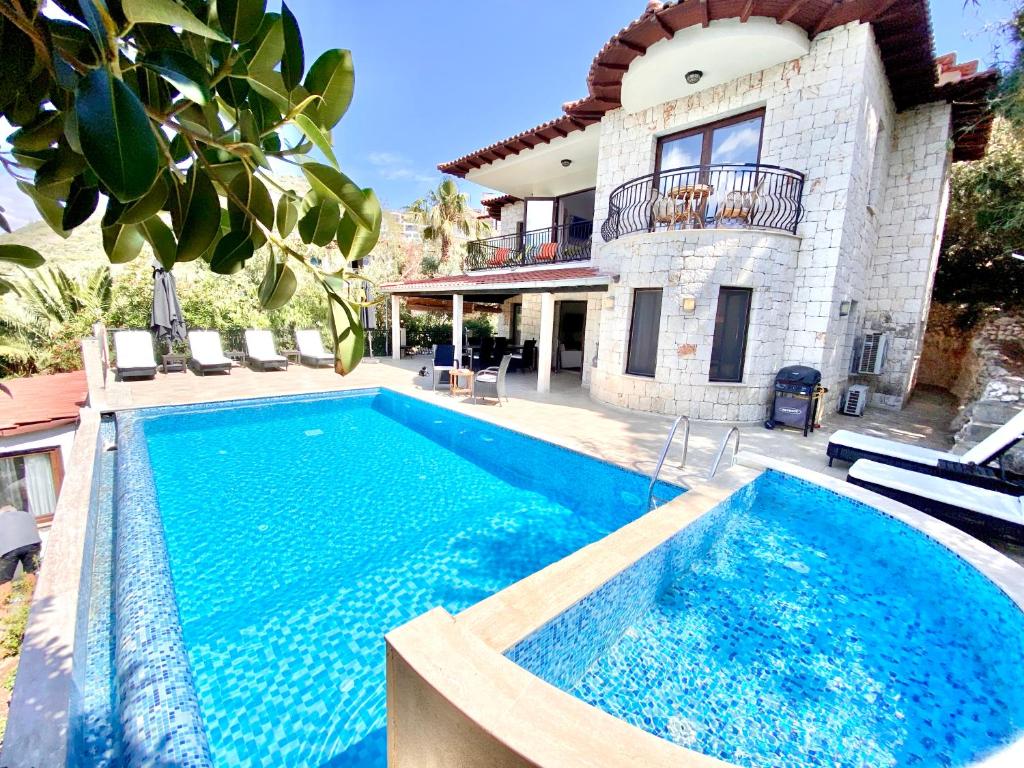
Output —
(845, 307)
(688, 304)
(693, 76)
(566, 162)
(608, 302)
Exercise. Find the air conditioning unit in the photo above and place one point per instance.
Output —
(855, 400)
(872, 353)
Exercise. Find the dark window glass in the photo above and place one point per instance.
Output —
(517, 319)
(730, 344)
(643, 332)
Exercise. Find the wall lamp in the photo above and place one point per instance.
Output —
(566, 162)
(693, 76)
(688, 304)
(845, 307)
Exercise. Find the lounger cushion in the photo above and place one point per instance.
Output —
(980, 500)
(260, 346)
(489, 378)
(878, 445)
(134, 350)
(997, 442)
(206, 349)
(311, 345)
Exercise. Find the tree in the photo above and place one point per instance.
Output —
(160, 109)
(446, 213)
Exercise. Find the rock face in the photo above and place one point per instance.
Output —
(983, 367)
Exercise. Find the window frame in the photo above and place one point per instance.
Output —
(746, 334)
(56, 471)
(632, 327)
(707, 129)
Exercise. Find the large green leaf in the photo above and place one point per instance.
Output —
(287, 214)
(101, 25)
(355, 241)
(270, 86)
(18, 60)
(201, 216)
(160, 239)
(53, 179)
(240, 19)
(181, 71)
(329, 182)
(82, 201)
(122, 242)
(346, 332)
(278, 284)
(320, 223)
(116, 136)
(21, 255)
(293, 60)
(264, 51)
(147, 205)
(51, 211)
(231, 252)
(169, 13)
(314, 134)
(333, 78)
(252, 194)
(39, 134)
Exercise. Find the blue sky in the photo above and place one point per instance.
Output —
(436, 80)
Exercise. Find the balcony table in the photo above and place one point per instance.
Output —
(688, 204)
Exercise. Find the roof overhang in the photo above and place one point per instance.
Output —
(506, 283)
(902, 30)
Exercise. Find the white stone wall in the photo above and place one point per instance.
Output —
(697, 263)
(511, 215)
(872, 214)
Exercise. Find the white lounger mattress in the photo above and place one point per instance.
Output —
(892, 448)
(980, 500)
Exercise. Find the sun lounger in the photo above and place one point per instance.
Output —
(207, 353)
(311, 349)
(976, 510)
(134, 351)
(260, 351)
(972, 467)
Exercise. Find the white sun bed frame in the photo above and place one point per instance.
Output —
(976, 510)
(134, 355)
(260, 351)
(311, 349)
(207, 352)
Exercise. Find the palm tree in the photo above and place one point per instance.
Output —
(445, 213)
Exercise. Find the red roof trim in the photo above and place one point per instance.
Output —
(902, 30)
(498, 278)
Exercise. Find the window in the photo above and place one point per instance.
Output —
(730, 343)
(642, 358)
(31, 481)
(517, 320)
(733, 140)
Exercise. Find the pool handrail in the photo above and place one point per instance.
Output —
(664, 454)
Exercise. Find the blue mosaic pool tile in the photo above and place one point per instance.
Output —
(158, 713)
(804, 630)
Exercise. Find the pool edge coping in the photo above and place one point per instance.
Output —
(529, 722)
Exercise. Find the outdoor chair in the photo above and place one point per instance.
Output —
(444, 362)
(207, 353)
(311, 349)
(971, 468)
(492, 380)
(569, 358)
(134, 350)
(261, 353)
(524, 360)
(980, 511)
(739, 205)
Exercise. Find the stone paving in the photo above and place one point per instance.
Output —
(566, 415)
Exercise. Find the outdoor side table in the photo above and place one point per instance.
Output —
(292, 355)
(173, 362)
(236, 356)
(461, 382)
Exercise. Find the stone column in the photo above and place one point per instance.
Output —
(396, 327)
(457, 327)
(544, 342)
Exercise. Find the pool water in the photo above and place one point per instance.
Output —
(299, 533)
(794, 627)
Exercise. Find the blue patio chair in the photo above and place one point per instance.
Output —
(444, 361)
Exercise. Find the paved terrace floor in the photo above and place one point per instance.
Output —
(566, 415)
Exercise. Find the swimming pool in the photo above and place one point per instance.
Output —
(294, 533)
(791, 626)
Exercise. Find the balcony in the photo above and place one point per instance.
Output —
(747, 196)
(551, 245)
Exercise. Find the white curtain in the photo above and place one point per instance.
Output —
(42, 497)
(10, 485)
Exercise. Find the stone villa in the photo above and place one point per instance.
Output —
(748, 184)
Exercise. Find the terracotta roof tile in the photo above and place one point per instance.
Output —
(501, 278)
(41, 402)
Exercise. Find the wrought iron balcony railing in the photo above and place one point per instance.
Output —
(748, 196)
(551, 245)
